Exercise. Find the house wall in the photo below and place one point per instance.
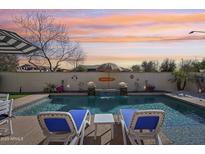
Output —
(35, 81)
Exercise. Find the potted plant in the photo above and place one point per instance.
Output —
(180, 77)
(123, 88)
(91, 88)
(148, 87)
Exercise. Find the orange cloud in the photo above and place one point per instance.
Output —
(127, 27)
(134, 19)
(134, 39)
(135, 57)
(133, 28)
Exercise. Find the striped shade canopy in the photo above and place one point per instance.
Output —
(12, 43)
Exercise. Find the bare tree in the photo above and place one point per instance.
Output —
(52, 37)
(78, 57)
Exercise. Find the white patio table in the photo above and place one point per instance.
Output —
(100, 119)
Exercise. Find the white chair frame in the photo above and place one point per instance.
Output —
(73, 136)
(139, 135)
(6, 108)
(4, 97)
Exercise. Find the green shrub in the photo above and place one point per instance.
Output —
(49, 88)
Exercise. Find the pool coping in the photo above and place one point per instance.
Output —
(196, 101)
(28, 100)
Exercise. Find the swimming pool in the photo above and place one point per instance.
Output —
(184, 123)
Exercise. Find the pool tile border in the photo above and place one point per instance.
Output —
(27, 100)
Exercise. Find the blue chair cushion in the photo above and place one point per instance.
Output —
(127, 115)
(57, 125)
(147, 122)
(143, 122)
(60, 125)
(78, 116)
(3, 116)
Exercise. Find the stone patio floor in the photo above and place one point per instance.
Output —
(28, 132)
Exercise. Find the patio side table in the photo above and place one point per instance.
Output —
(100, 119)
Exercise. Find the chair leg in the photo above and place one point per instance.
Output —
(89, 118)
(133, 140)
(158, 140)
(87, 122)
(46, 141)
(67, 140)
(10, 126)
(82, 134)
(82, 138)
(123, 132)
(74, 141)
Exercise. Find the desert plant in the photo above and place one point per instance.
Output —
(180, 77)
(49, 88)
(148, 87)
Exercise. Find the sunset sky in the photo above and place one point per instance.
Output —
(127, 37)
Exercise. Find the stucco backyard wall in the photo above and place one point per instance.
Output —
(35, 82)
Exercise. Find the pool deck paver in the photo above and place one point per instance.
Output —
(188, 99)
(23, 101)
(28, 132)
(25, 131)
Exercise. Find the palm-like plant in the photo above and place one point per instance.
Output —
(180, 77)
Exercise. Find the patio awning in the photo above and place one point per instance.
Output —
(12, 43)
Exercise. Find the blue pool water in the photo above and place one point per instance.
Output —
(184, 123)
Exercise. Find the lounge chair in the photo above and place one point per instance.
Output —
(64, 126)
(6, 117)
(141, 124)
(4, 97)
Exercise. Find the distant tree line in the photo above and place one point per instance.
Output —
(169, 65)
(181, 74)
(10, 62)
